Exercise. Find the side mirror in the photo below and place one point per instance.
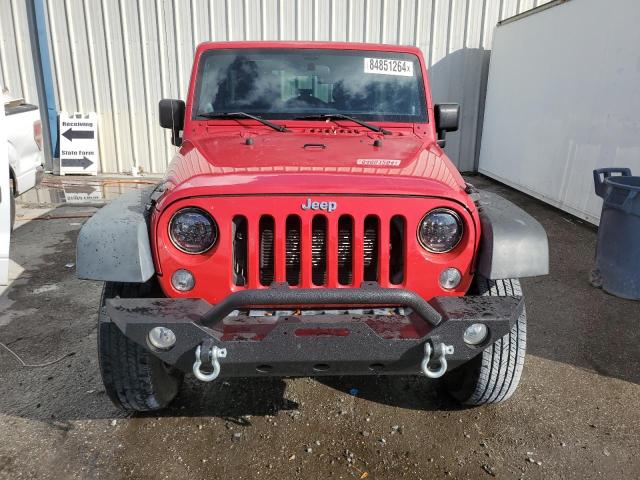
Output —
(447, 120)
(172, 117)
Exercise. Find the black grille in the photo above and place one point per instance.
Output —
(396, 250)
(294, 250)
(346, 254)
(267, 264)
(239, 232)
(319, 250)
(345, 250)
(370, 257)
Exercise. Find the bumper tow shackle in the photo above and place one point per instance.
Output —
(208, 353)
(439, 353)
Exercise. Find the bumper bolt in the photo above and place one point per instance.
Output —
(162, 338)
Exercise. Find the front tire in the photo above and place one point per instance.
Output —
(493, 375)
(133, 378)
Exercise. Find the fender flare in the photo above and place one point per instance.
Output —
(512, 243)
(113, 245)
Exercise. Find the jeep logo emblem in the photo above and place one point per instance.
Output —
(326, 206)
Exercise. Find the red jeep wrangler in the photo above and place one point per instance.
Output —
(310, 224)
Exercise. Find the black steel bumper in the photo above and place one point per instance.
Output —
(330, 342)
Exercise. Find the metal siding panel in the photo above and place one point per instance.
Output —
(252, 19)
(475, 23)
(440, 38)
(526, 5)
(288, 14)
(235, 19)
(8, 51)
(491, 17)
(184, 44)
(373, 21)
(218, 20)
(136, 88)
(357, 21)
(322, 16)
(101, 85)
(51, 58)
(157, 157)
(119, 95)
(60, 48)
(79, 55)
(23, 50)
(509, 8)
(271, 20)
(457, 25)
(199, 21)
(305, 19)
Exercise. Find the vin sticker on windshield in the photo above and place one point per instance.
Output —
(388, 66)
(378, 162)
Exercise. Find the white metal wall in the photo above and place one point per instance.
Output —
(581, 110)
(119, 57)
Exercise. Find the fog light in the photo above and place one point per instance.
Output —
(450, 278)
(162, 338)
(475, 334)
(182, 280)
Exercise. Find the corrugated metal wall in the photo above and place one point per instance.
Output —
(16, 65)
(119, 57)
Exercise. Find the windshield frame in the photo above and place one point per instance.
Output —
(362, 51)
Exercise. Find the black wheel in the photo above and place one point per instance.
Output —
(494, 375)
(133, 378)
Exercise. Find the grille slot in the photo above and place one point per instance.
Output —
(345, 250)
(267, 261)
(370, 250)
(396, 249)
(293, 250)
(239, 232)
(319, 250)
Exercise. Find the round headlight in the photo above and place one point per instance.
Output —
(440, 230)
(193, 230)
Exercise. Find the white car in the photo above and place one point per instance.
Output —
(25, 146)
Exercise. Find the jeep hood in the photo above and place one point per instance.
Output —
(304, 163)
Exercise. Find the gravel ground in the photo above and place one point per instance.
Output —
(575, 414)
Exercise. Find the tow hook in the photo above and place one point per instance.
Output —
(438, 352)
(208, 353)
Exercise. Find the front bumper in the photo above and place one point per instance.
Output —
(368, 340)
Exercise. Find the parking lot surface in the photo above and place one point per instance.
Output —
(575, 415)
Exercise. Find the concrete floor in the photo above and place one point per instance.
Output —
(575, 415)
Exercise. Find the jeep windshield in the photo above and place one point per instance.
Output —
(314, 83)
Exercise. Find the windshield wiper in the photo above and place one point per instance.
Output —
(280, 128)
(330, 116)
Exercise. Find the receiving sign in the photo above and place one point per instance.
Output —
(78, 144)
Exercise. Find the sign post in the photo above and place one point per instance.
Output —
(78, 144)
(5, 202)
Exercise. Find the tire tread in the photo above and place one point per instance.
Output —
(127, 368)
(500, 364)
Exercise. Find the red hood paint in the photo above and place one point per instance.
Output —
(222, 163)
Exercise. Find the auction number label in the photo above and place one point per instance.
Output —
(388, 66)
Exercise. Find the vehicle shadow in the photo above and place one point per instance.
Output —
(403, 391)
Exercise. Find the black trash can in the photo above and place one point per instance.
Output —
(618, 249)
